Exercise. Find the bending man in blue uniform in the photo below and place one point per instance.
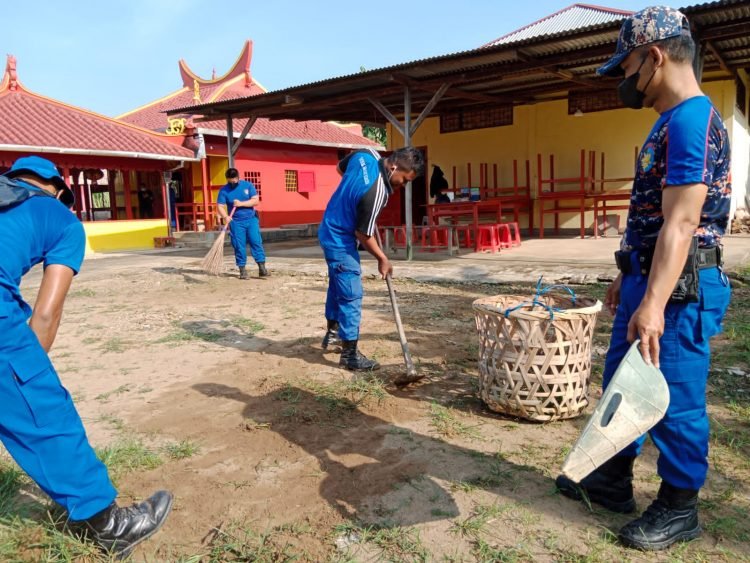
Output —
(350, 218)
(244, 226)
(39, 425)
(671, 292)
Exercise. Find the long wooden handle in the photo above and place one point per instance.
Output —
(410, 370)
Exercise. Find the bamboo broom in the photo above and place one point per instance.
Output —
(213, 262)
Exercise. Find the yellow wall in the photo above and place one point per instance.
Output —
(546, 128)
(107, 236)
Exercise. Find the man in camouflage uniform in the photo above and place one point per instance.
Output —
(671, 292)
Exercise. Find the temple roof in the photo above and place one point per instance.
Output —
(238, 83)
(30, 122)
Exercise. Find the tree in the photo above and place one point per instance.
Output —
(375, 134)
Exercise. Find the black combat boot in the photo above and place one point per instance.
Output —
(353, 359)
(118, 530)
(331, 337)
(611, 485)
(672, 517)
(243, 273)
(262, 272)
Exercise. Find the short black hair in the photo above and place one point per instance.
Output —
(679, 49)
(408, 159)
(231, 173)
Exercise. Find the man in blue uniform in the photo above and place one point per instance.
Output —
(39, 425)
(671, 293)
(244, 226)
(350, 218)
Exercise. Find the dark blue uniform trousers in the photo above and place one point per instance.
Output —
(344, 298)
(244, 232)
(41, 429)
(682, 435)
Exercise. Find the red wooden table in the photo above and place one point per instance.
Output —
(464, 208)
(602, 198)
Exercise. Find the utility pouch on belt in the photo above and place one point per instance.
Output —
(686, 290)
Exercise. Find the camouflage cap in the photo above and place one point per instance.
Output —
(647, 26)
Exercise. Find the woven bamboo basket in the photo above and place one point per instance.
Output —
(535, 362)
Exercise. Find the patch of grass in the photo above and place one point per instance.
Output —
(248, 325)
(181, 334)
(394, 543)
(475, 524)
(119, 391)
(115, 422)
(445, 423)
(90, 340)
(237, 542)
(126, 455)
(733, 526)
(182, 449)
(115, 345)
(83, 292)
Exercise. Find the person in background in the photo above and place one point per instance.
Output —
(350, 218)
(244, 225)
(145, 202)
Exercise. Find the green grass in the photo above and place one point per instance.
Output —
(445, 423)
(394, 544)
(118, 391)
(238, 542)
(248, 325)
(182, 449)
(128, 454)
(83, 292)
(180, 335)
(115, 345)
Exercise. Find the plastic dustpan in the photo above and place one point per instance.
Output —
(635, 400)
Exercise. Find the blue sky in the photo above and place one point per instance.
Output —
(112, 56)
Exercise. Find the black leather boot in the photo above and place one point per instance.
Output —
(262, 272)
(672, 517)
(118, 530)
(243, 273)
(611, 485)
(331, 337)
(353, 359)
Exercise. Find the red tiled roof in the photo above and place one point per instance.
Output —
(233, 85)
(31, 120)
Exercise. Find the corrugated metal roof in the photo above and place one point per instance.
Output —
(520, 71)
(573, 17)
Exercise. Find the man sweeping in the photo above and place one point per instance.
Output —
(671, 292)
(39, 424)
(350, 218)
(244, 226)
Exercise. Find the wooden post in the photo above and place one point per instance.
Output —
(128, 194)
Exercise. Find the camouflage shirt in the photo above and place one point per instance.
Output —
(687, 145)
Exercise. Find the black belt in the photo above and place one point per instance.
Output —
(704, 258)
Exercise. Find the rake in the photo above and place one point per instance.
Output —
(213, 262)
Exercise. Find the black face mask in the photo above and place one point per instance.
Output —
(628, 91)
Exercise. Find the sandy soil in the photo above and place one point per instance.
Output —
(288, 446)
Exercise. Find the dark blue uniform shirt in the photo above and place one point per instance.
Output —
(243, 191)
(355, 205)
(687, 145)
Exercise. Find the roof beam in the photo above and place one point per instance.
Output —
(719, 58)
(428, 108)
(450, 90)
(243, 134)
(388, 115)
(557, 71)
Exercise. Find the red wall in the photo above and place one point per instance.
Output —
(279, 207)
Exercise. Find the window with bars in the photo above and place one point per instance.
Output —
(290, 180)
(588, 101)
(254, 178)
(476, 119)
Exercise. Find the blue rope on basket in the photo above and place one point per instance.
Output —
(540, 291)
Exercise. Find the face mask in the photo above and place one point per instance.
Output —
(628, 91)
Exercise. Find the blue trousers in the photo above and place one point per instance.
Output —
(682, 435)
(41, 429)
(344, 298)
(243, 232)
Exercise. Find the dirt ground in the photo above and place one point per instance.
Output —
(287, 457)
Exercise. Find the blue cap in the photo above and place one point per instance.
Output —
(642, 28)
(45, 170)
